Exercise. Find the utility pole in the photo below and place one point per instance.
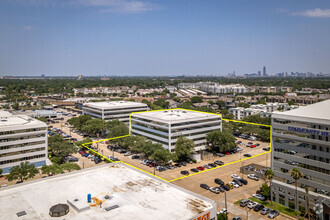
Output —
(267, 161)
(247, 214)
(154, 166)
(226, 200)
(242, 170)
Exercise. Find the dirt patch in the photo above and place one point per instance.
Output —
(117, 189)
(132, 186)
(196, 206)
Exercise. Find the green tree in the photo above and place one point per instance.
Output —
(22, 172)
(221, 104)
(79, 122)
(43, 119)
(261, 101)
(222, 216)
(59, 147)
(70, 166)
(1, 172)
(265, 190)
(51, 169)
(244, 105)
(269, 176)
(184, 148)
(15, 106)
(196, 99)
(291, 102)
(296, 175)
(226, 141)
(213, 138)
(94, 127)
(177, 99)
(160, 154)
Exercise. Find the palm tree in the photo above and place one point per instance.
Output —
(269, 176)
(296, 175)
(307, 203)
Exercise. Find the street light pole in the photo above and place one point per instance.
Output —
(226, 200)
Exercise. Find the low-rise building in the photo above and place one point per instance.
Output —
(166, 126)
(120, 110)
(116, 191)
(22, 138)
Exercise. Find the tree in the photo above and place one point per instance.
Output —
(15, 106)
(222, 216)
(22, 172)
(160, 154)
(225, 140)
(244, 105)
(59, 147)
(296, 175)
(1, 172)
(196, 99)
(70, 166)
(213, 138)
(265, 190)
(177, 99)
(221, 104)
(80, 121)
(269, 176)
(118, 130)
(308, 212)
(43, 119)
(51, 169)
(183, 148)
(94, 127)
(291, 102)
(261, 101)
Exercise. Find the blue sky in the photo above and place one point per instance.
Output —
(169, 37)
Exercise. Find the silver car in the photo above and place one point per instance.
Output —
(265, 211)
(273, 214)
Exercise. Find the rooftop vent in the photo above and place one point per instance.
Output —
(111, 208)
(3, 120)
(19, 214)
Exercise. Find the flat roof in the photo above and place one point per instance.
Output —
(15, 122)
(138, 195)
(319, 112)
(114, 104)
(175, 115)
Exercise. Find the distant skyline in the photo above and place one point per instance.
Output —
(154, 37)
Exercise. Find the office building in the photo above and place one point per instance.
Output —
(113, 110)
(215, 88)
(301, 140)
(117, 191)
(165, 127)
(264, 73)
(22, 138)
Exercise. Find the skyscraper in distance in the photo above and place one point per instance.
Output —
(264, 71)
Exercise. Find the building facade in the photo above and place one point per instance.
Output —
(301, 139)
(120, 110)
(22, 138)
(165, 127)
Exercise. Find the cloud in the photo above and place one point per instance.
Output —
(315, 13)
(109, 6)
(28, 27)
(120, 6)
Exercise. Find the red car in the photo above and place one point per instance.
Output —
(200, 168)
(252, 146)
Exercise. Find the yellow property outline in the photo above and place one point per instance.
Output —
(129, 134)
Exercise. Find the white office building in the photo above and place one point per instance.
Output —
(215, 88)
(120, 110)
(165, 127)
(301, 139)
(22, 138)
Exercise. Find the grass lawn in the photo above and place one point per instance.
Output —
(279, 207)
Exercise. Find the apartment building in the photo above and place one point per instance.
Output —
(165, 127)
(113, 110)
(215, 88)
(22, 138)
(301, 139)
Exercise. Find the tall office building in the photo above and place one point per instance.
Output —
(264, 73)
(22, 138)
(259, 73)
(301, 140)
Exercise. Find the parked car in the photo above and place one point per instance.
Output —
(221, 189)
(237, 218)
(235, 176)
(253, 176)
(194, 170)
(251, 205)
(183, 163)
(219, 181)
(253, 146)
(238, 182)
(219, 162)
(215, 190)
(135, 157)
(273, 214)
(247, 155)
(184, 172)
(212, 165)
(224, 210)
(235, 185)
(177, 165)
(204, 186)
(227, 188)
(244, 202)
(258, 207)
(170, 167)
(200, 168)
(229, 185)
(128, 154)
(259, 196)
(244, 181)
(265, 211)
(207, 166)
(266, 148)
(220, 154)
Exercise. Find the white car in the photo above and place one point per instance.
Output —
(253, 176)
(4, 185)
(259, 196)
(235, 176)
(215, 190)
(251, 205)
(235, 185)
(224, 210)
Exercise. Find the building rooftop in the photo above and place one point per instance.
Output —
(138, 195)
(318, 112)
(175, 115)
(14, 122)
(114, 104)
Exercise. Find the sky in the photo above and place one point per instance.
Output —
(163, 37)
